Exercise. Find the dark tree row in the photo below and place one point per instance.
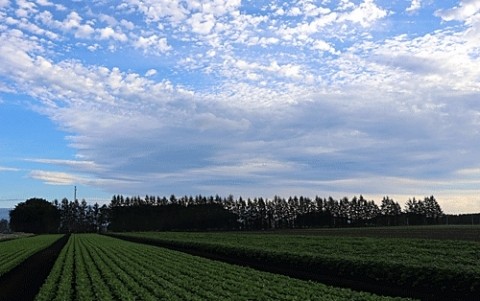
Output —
(202, 213)
(76, 217)
(294, 212)
(170, 217)
(40, 216)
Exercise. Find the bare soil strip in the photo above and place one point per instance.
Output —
(294, 272)
(23, 282)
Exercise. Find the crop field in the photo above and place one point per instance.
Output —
(4, 237)
(94, 267)
(434, 266)
(15, 251)
(97, 267)
(439, 232)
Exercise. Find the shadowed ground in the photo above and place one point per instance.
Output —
(23, 282)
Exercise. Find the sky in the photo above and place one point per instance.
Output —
(249, 98)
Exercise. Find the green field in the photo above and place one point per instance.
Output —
(4, 237)
(439, 232)
(15, 251)
(443, 266)
(419, 252)
(94, 267)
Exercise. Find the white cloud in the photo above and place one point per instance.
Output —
(109, 33)
(345, 5)
(4, 3)
(155, 11)
(465, 10)
(202, 24)
(86, 166)
(111, 21)
(273, 69)
(366, 14)
(44, 3)
(73, 22)
(25, 9)
(55, 178)
(93, 47)
(153, 43)
(414, 6)
(59, 7)
(323, 46)
(63, 178)
(150, 72)
(127, 24)
(3, 168)
(24, 25)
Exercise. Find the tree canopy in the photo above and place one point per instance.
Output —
(35, 216)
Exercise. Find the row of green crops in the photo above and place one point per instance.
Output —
(15, 251)
(451, 267)
(94, 267)
(443, 232)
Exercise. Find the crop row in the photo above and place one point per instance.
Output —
(15, 251)
(439, 267)
(94, 267)
(439, 232)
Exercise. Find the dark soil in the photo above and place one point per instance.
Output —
(23, 282)
(363, 285)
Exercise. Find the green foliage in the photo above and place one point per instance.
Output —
(445, 266)
(173, 216)
(106, 268)
(79, 217)
(15, 251)
(35, 216)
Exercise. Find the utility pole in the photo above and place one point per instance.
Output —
(75, 193)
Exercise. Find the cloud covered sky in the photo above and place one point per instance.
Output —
(250, 98)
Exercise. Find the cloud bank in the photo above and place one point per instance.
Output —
(308, 97)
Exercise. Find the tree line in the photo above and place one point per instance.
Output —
(224, 213)
(37, 215)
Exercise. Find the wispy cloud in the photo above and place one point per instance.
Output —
(55, 178)
(87, 166)
(3, 168)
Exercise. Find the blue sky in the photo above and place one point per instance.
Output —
(250, 98)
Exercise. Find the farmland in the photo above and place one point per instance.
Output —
(98, 267)
(4, 237)
(27, 263)
(17, 250)
(94, 267)
(438, 267)
(440, 232)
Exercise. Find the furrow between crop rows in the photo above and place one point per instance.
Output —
(440, 270)
(15, 251)
(111, 269)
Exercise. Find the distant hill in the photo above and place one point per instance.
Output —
(4, 213)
